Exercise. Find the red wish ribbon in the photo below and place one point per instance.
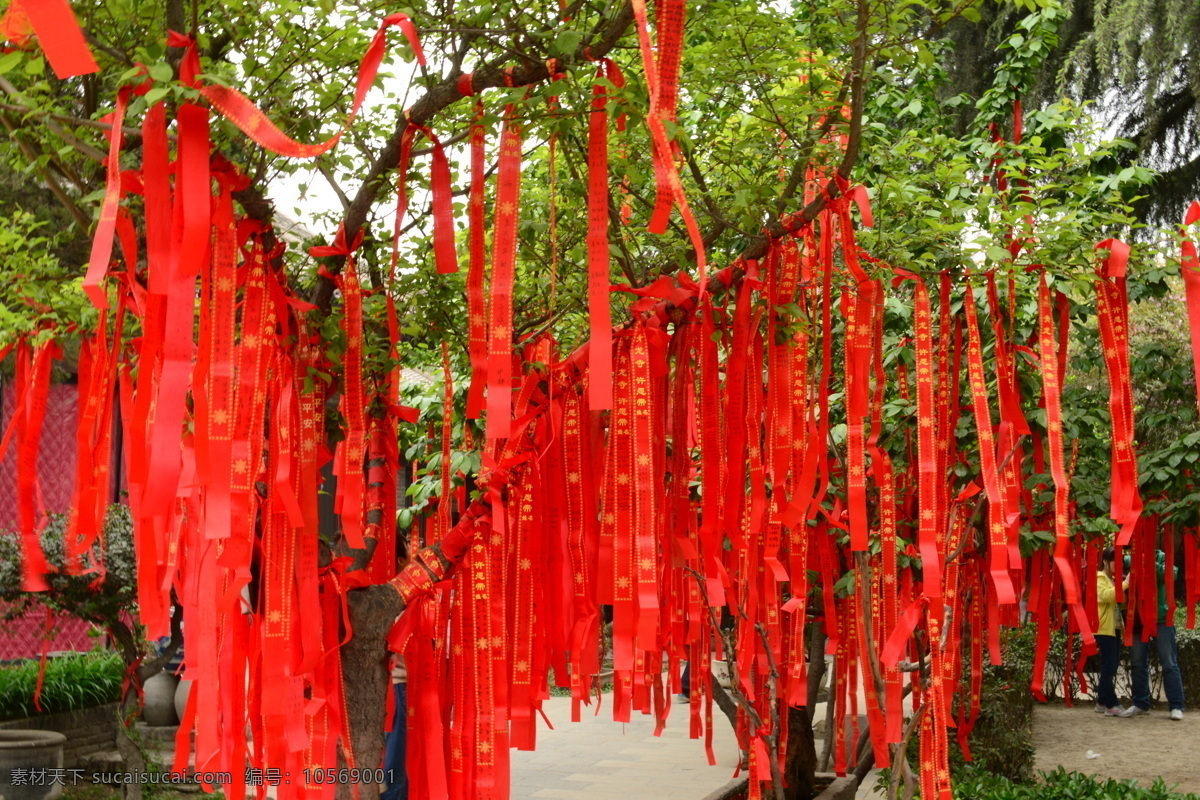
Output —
(1051, 352)
(58, 33)
(444, 254)
(1112, 306)
(102, 241)
(477, 321)
(33, 388)
(348, 465)
(998, 554)
(599, 311)
(504, 254)
(666, 173)
(1189, 267)
(239, 109)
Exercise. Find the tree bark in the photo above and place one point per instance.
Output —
(800, 763)
(816, 666)
(724, 701)
(830, 721)
(367, 681)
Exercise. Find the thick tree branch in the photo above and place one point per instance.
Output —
(832, 190)
(442, 96)
(800, 168)
(107, 49)
(333, 184)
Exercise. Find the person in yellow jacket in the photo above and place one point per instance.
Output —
(1107, 636)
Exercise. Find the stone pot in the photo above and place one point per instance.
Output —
(158, 707)
(181, 697)
(27, 758)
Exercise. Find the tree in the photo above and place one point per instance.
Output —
(101, 589)
(1136, 60)
(781, 111)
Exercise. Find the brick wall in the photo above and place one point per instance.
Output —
(91, 730)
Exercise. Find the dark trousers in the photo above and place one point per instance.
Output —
(394, 746)
(1110, 659)
(1168, 659)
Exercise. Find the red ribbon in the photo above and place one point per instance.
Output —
(504, 253)
(348, 467)
(1052, 353)
(58, 33)
(997, 554)
(932, 516)
(102, 241)
(444, 254)
(242, 112)
(1113, 313)
(599, 311)
(1189, 267)
(33, 386)
(477, 321)
(188, 252)
(666, 173)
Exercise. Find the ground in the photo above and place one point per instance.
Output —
(1143, 748)
(598, 759)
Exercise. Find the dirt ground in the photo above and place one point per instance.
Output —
(1143, 747)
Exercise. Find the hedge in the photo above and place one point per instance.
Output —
(79, 680)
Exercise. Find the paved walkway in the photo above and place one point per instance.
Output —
(598, 759)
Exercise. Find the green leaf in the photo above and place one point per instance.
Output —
(156, 94)
(997, 253)
(10, 60)
(162, 72)
(566, 43)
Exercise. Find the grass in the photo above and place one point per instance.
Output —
(80, 680)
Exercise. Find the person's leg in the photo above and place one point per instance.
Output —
(1168, 658)
(685, 682)
(1140, 657)
(394, 749)
(1110, 659)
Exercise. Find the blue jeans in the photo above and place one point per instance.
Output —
(1110, 660)
(1168, 659)
(394, 747)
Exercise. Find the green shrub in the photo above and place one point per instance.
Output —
(1188, 644)
(1002, 740)
(110, 603)
(977, 784)
(119, 589)
(80, 680)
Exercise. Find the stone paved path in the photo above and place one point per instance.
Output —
(599, 759)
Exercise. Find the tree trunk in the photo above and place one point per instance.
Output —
(367, 680)
(800, 761)
(800, 764)
(816, 666)
(132, 757)
(830, 722)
